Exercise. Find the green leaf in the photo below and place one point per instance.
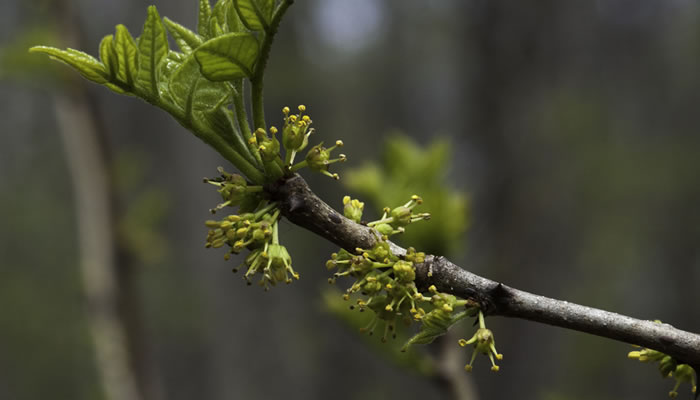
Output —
(215, 29)
(192, 92)
(153, 48)
(204, 17)
(218, 24)
(185, 38)
(228, 57)
(435, 324)
(255, 14)
(232, 20)
(224, 123)
(88, 66)
(126, 54)
(167, 68)
(108, 57)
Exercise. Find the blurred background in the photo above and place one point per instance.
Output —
(573, 129)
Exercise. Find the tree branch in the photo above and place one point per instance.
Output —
(302, 207)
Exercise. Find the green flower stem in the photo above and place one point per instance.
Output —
(257, 79)
(274, 170)
(275, 233)
(460, 316)
(381, 221)
(258, 102)
(459, 303)
(241, 145)
(242, 117)
(298, 166)
(264, 210)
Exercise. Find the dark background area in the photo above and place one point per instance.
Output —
(575, 132)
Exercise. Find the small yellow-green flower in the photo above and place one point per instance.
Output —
(484, 343)
(352, 208)
(319, 158)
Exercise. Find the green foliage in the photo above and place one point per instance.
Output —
(193, 93)
(184, 38)
(202, 87)
(255, 14)
(435, 324)
(198, 84)
(204, 18)
(89, 67)
(153, 48)
(228, 57)
(407, 168)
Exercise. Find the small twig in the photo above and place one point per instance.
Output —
(302, 207)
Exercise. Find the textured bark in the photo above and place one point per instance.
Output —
(302, 207)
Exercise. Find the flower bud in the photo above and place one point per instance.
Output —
(353, 208)
(404, 271)
(401, 216)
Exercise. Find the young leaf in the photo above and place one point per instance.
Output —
(185, 38)
(215, 29)
(218, 24)
(192, 92)
(224, 123)
(87, 65)
(126, 55)
(228, 57)
(108, 57)
(435, 324)
(255, 14)
(204, 17)
(153, 48)
(232, 20)
(166, 69)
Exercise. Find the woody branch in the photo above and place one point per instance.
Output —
(302, 207)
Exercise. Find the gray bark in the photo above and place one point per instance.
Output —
(302, 207)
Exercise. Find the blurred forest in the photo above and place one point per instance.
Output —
(572, 127)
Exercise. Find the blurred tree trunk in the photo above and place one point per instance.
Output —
(107, 270)
(96, 247)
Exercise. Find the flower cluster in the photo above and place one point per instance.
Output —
(254, 228)
(384, 283)
(295, 137)
(235, 191)
(668, 367)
